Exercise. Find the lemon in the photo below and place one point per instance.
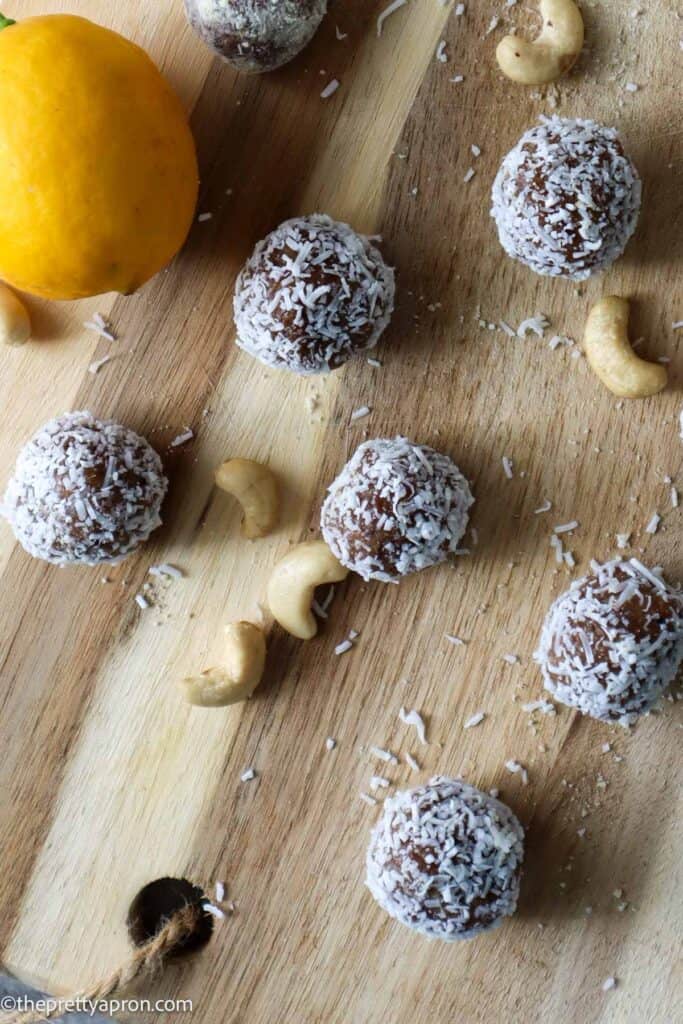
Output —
(97, 161)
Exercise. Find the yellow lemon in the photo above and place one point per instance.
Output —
(97, 161)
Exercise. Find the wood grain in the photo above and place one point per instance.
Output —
(107, 780)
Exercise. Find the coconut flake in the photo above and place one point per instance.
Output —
(247, 775)
(653, 525)
(384, 755)
(387, 12)
(508, 467)
(475, 720)
(415, 719)
(187, 435)
(566, 527)
(166, 570)
(330, 743)
(330, 89)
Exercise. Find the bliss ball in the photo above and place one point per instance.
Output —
(446, 859)
(395, 508)
(84, 491)
(613, 642)
(313, 294)
(566, 199)
(256, 35)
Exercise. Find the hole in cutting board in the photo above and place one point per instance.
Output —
(158, 901)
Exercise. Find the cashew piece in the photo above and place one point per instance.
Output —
(293, 582)
(245, 659)
(256, 489)
(15, 325)
(611, 357)
(552, 53)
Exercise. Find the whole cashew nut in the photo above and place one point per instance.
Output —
(256, 489)
(245, 659)
(611, 357)
(552, 53)
(15, 325)
(293, 582)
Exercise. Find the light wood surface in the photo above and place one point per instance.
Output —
(107, 780)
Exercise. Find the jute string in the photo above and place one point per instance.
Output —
(145, 961)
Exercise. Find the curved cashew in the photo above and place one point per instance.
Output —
(256, 489)
(15, 325)
(611, 357)
(293, 582)
(245, 659)
(552, 53)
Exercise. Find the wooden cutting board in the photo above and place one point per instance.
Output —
(107, 780)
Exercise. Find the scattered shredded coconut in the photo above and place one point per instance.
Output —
(566, 527)
(508, 467)
(475, 720)
(545, 507)
(387, 12)
(248, 775)
(203, 217)
(608, 984)
(537, 325)
(100, 326)
(344, 647)
(470, 174)
(368, 799)
(374, 362)
(511, 659)
(141, 601)
(213, 910)
(330, 89)
(441, 54)
(455, 640)
(379, 782)
(166, 570)
(187, 435)
(515, 768)
(97, 365)
(415, 719)
(653, 525)
(220, 892)
(412, 763)
(546, 707)
(330, 743)
(384, 755)
(339, 34)
(674, 498)
(623, 540)
(360, 413)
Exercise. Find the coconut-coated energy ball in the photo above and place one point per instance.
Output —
(84, 491)
(566, 198)
(256, 35)
(395, 508)
(313, 294)
(613, 642)
(445, 859)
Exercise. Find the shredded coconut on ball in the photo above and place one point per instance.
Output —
(84, 491)
(394, 509)
(313, 294)
(256, 35)
(445, 859)
(566, 199)
(613, 642)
